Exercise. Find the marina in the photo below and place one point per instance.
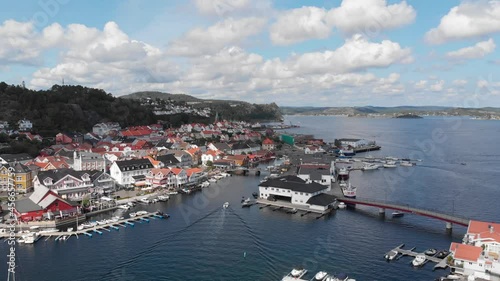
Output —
(420, 258)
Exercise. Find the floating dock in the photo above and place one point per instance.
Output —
(440, 263)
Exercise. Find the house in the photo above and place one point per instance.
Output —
(238, 160)
(62, 138)
(161, 177)
(354, 143)
(268, 144)
(68, 183)
(17, 175)
(210, 155)
(10, 159)
(184, 158)
(102, 181)
(45, 163)
(88, 161)
(180, 176)
(223, 164)
(24, 125)
(295, 190)
(32, 137)
(124, 171)
(195, 154)
(312, 149)
(319, 173)
(220, 146)
(44, 203)
(479, 255)
(168, 160)
(102, 129)
(4, 125)
(244, 147)
(194, 175)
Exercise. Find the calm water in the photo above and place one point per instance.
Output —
(203, 242)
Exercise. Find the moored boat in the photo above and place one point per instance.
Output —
(49, 230)
(141, 213)
(298, 272)
(124, 207)
(391, 255)
(370, 166)
(163, 198)
(31, 238)
(132, 215)
(320, 276)
(342, 205)
(442, 254)
(419, 260)
(430, 252)
(406, 163)
(246, 203)
(397, 214)
(255, 195)
(390, 164)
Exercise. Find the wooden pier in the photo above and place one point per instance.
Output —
(440, 263)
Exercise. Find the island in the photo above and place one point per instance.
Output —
(409, 116)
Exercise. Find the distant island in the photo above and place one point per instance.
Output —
(408, 116)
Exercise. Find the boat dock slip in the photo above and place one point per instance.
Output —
(440, 263)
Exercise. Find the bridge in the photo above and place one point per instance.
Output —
(449, 219)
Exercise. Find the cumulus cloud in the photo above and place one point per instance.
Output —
(202, 41)
(422, 84)
(460, 82)
(369, 17)
(479, 50)
(438, 86)
(470, 19)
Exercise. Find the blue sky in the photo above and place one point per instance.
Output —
(319, 53)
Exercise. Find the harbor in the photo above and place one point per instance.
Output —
(399, 252)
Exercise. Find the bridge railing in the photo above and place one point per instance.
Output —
(407, 207)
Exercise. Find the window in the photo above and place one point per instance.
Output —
(18, 178)
(301, 193)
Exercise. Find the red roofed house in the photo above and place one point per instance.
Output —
(63, 139)
(161, 177)
(239, 160)
(181, 176)
(210, 155)
(44, 204)
(195, 154)
(268, 144)
(194, 175)
(479, 254)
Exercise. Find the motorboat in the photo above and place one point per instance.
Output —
(320, 275)
(141, 213)
(292, 211)
(442, 254)
(212, 180)
(172, 193)
(31, 238)
(205, 184)
(397, 214)
(450, 277)
(430, 252)
(70, 229)
(124, 207)
(101, 222)
(64, 237)
(163, 198)
(390, 164)
(406, 163)
(246, 203)
(80, 227)
(255, 195)
(145, 200)
(341, 277)
(370, 166)
(419, 260)
(155, 200)
(132, 215)
(225, 205)
(48, 230)
(342, 205)
(164, 215)
(298, 272)
(391, 255)
(131, 204)
(186, 190)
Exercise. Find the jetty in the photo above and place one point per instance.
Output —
(440, 263)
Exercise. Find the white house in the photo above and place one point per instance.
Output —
(68, 183)
(312, 149)
(355, 142)
(102, 129)
(209, 155)
(181, 176)
(88, 161)
(318, 173)
(295, 190)
(124, 171)
(24, 125)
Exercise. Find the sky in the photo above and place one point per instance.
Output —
(294, 53)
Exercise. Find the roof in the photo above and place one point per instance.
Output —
(315, 173)
(176, 170)
(484, 230)
(134, 164)
(49, 199)
(58, 174)
(465, 252)
(139, 177)
(322, 199)
(349, 139)
(268, 141)
(168, 159)
(163, 171)
(191, 171)
(293, 183)
(38, 194)
(16, 157)
(26, 205)
(222, 146)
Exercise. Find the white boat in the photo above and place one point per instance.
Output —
(31, 238)
(131, 204)
(406, 163)
(419, 260)
(80, 227)
(48, 230)
(155, 200)
(348, 190)
(298, 272)
(390, 164)
(205, 184)
(320, 276)
(342, 205)
(124, 207)
(172, 192)
(63, 237)
(370, 166)
(141, 213)
(212, 180)
(391, 255)
(163, 198)
(225, 205)
(132, 215)
(70, 229)
(145, 200)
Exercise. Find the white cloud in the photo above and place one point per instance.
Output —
(479, 50)
(300, 24)
(201, 41)
(438, 86)
(369, 17)
(459, 82)
(468, 20)
(420, 84)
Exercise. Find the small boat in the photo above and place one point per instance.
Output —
(390, 164)
(450, 277)
(172, 193)
(145, 200)
(48, 230)
(212, 180)
(298, 272)
(63, 237)
(442, 254)
(160, 213)
(370, 166)
(341, 277)
(31, 238)
(131, 204)
(132, 215)
(430, 252)
(205, 184)
(186, 190)
(246, 203)
(124, 207)
(70, 229)
(406, 163)
(419, 260)
(320, 276)
(342, 205)
(225, 205)
(80, 227)
(391, 255)
(141, 213)
(255, 195)
(397, 214)
(163, 198)
(292, 211)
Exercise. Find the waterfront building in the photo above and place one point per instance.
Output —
(354, 143)
(268, 144)
(238, 160)
(161, 177)
(103, 182)
(295, 190)
(124, 171)
(17, 175)
(210, 155)
(67, 183)
(315, 172)
(194, 175)
(313, 149)
(44, 203)
(168, 160)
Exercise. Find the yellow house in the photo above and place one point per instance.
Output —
(18, 175)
